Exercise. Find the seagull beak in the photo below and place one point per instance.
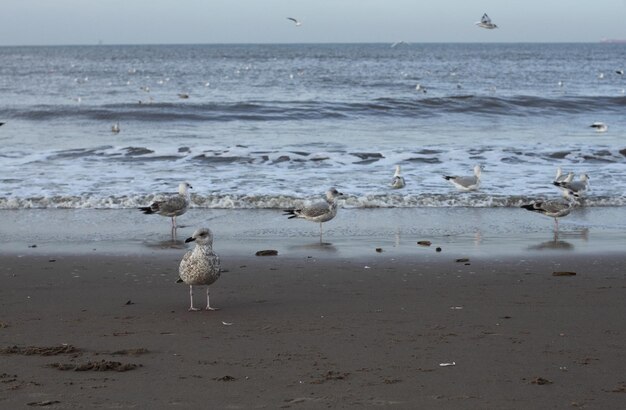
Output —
(191, 239)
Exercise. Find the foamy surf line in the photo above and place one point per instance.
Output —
(238, 201)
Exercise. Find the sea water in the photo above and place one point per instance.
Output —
(261, 126)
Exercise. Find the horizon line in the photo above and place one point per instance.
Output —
(406, 43)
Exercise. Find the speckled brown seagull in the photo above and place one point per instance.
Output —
(200, 267)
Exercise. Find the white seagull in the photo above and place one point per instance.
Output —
(172, 206)
(599, 126)
(466, 183)
(552, 208)
(560, 176)
(485, 22)
(398, 180)
(115, 128)
(575, 188)
(298, 23)
(200, 267)
(322, 211)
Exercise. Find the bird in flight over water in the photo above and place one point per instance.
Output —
(298, 23)
(485, 22)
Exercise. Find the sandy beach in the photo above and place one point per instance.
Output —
(94, 319)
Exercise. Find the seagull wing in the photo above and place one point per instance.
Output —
(174, 205)
(292, 19)
(315, 210)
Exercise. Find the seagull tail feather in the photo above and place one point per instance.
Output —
(146, 210)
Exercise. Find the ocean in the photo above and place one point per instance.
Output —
(263, 126)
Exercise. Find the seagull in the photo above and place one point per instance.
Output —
(172, 206)
(560, 176)
(620, 72)
(575, 188)
(600, 76)
(599, 126)
(322, 211)
(2, 123)
(466, 183)
(115, 128)
(485, 22)
(298, 23)
(200, 266)
(552, 208)
(398, 180)
(419, 87)
(184, 96)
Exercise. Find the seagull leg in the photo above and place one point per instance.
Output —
(208, 305)
(320, 233)
(556, 225)
(191, 308)
(174, 222)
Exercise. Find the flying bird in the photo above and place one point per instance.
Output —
(600, 126)
(485, 22)
(322, 211)
(466, 183)
(200, 267)
(296, 21)
(172, 206)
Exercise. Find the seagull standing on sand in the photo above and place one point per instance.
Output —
(200, 267)
(322, 211)
(398, 180)
(485, 22)
(553, 208)
(619, 72)
(466, 183)
(575, 188)
(115, 128)
(172, 206)
(599, 126)
(297, 23)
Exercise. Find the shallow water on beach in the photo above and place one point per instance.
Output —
(473, 232)
(264, 125)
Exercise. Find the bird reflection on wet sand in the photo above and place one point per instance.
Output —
(557, 243)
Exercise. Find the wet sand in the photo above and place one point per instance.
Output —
(313, 328)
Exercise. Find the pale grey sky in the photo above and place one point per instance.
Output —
(34, 22)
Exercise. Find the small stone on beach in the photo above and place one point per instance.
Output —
(379, 250)
(424, 243)
(267, 252)
(563, 273)
(460, 260)
(32, 246)
(438, 249)
(540, 381)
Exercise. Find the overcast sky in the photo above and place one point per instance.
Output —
(35, 22)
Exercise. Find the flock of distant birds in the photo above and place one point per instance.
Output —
(201, 266)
